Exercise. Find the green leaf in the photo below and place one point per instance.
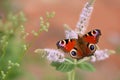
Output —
(64, 66)
(86, 66)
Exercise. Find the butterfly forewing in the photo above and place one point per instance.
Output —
(66, 45)
(92, 36)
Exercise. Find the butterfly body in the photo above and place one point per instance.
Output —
(82, 47)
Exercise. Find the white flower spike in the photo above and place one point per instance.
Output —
(55, 55)
(84, 19)
(69, 33)
(100, 55)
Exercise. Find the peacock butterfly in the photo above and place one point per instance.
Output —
(82, 47)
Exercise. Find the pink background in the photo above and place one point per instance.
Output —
(105, 16)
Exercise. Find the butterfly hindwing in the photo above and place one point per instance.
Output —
(87, 49)
(76, 53)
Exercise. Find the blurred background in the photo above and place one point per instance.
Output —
(105, 16)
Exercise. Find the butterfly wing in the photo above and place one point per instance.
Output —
(66, 45)
(89, 41)
(82, 47)
(89, 49)
(86, 48)
(92, 36)
(70, 46)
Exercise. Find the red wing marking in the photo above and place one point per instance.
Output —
(68, 47)
(90, 39)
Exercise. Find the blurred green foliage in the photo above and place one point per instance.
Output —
(5, 6)
(44, 23)
(11, 45)
(70, 65)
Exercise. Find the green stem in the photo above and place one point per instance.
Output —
(71, 75)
